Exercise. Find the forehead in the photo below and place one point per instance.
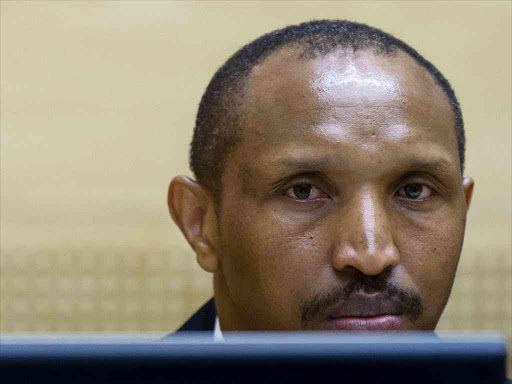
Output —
(340, 76)
(343, 103)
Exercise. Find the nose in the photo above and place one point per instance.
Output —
(364, 238)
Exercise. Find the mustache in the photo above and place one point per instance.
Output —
(408, 300)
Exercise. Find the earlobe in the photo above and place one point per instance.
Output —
(192, 210)
(468, 185)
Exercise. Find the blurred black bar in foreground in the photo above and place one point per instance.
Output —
(256, 358)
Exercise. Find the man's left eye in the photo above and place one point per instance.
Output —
(415, 192)
(304, 192)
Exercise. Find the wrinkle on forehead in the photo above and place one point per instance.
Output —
(395, 132)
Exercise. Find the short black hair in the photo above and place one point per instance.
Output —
(220, 119)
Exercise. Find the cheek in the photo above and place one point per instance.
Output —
(430, 254)
(270, 263)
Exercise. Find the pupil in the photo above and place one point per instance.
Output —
(413, 191)
(302, 191)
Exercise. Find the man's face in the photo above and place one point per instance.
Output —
(343, 206)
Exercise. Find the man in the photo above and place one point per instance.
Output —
(329, 190)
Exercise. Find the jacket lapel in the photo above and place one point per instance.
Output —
(202, 320)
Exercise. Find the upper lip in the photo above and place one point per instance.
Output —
(364, 305)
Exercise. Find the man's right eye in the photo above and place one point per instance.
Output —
(304, 192)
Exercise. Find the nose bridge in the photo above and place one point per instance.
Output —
(365, 235)
(367, 226)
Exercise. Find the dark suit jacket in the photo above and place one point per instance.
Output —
(202, 320)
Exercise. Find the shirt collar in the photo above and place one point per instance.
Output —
(217, 332)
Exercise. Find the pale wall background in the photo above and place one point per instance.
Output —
(98, 101)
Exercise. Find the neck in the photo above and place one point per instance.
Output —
(231, 316)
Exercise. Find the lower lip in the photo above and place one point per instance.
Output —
(374, 323)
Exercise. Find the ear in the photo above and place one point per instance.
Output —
(468, 184)
(192, 209)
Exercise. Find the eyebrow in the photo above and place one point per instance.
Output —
(304, 163)
(438, 165)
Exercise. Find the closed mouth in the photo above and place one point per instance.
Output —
(368, 323)
(362, 312)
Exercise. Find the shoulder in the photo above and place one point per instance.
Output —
(202, 320)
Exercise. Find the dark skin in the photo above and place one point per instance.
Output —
(343, 207)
